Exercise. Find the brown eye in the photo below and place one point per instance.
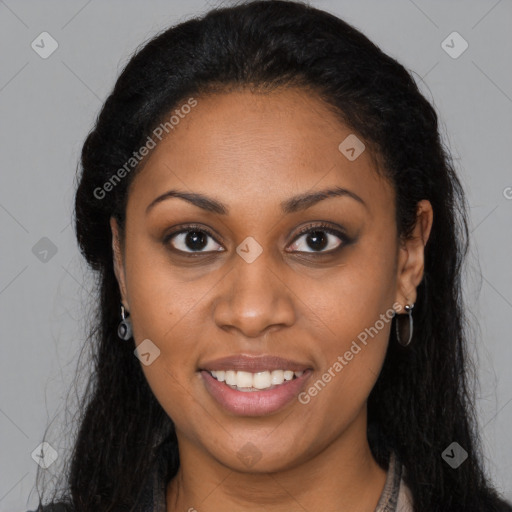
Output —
(192, 240)
(319, 239)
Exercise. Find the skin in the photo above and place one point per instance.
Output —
(251, 151)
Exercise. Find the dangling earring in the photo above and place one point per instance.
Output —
(404, 326)
(124, 330)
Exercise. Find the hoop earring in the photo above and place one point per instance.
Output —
(404, 326)
(124, 329)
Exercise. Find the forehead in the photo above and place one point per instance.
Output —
(246, 146)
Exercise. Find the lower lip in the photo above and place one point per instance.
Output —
(254, 403)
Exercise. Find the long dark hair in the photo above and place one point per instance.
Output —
(422, 401)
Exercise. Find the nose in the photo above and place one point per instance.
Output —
(254, 298)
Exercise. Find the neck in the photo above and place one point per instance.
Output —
(343, 476)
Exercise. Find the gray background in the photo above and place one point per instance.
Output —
(47, 106)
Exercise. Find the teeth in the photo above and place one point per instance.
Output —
(230, 378)
(262, 380)
(243, 380)
(288, 375)
(277, 377)
(246, 381)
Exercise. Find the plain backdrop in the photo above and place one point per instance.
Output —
(48, 105)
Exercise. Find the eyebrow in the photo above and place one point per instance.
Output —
(294, 204)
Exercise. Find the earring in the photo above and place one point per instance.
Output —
(404, 326)
(124, 330)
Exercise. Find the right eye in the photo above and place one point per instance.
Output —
(192, 240)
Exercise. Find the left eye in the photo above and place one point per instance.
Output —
(319, 239)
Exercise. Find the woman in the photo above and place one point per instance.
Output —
(278, 234)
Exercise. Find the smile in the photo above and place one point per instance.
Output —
(254, 394)
(250, 382)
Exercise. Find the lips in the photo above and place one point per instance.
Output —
(253, 364)
(251, 401)
(257, 402)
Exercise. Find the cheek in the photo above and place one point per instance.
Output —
(160, 295)
(352, 339)
(349, 315)
(164, 310)
(351, 353)
(345, 302)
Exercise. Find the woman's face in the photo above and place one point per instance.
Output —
(243, 281)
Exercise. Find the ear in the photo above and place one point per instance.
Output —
(118, 261)
(411, 260)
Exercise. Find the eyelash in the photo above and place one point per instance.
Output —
(345, 240)
(326, 228)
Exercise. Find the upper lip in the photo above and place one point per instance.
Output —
(253, 364)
